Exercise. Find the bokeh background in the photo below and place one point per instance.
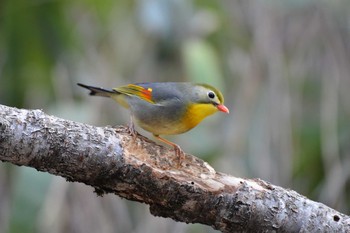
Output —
(283, 67)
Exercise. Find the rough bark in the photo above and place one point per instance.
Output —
(110, 160)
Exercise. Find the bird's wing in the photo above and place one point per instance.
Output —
(136, 90)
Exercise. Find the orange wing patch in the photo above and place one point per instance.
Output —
(141, 92)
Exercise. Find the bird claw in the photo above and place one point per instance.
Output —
(179, 153)
(131, 129)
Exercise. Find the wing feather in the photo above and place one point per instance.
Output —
(136, 90)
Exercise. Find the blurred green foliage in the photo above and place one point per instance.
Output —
(34, 36)
(283, 67)
(27, 199)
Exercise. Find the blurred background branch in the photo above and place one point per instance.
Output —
(283, 66)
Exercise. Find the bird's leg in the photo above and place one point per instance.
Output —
(178, 151)
(131, 128)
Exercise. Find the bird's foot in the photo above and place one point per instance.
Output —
(132, 130)
(180, 154)
(178, 151)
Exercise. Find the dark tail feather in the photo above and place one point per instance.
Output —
(98, 91)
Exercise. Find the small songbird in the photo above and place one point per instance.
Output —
(165, 108)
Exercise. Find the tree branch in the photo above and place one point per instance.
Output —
(140, 170)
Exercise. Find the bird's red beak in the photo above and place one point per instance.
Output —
(223, 108)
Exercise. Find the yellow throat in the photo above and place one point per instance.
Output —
(196, 113)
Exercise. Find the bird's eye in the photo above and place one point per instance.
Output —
(211, 95)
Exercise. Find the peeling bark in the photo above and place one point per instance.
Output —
(111, 161)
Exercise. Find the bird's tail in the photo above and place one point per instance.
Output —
(98, 91)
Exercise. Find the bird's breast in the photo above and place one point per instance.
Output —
(159, 119)
(195, 113)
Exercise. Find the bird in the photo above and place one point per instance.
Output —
(165, 108)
